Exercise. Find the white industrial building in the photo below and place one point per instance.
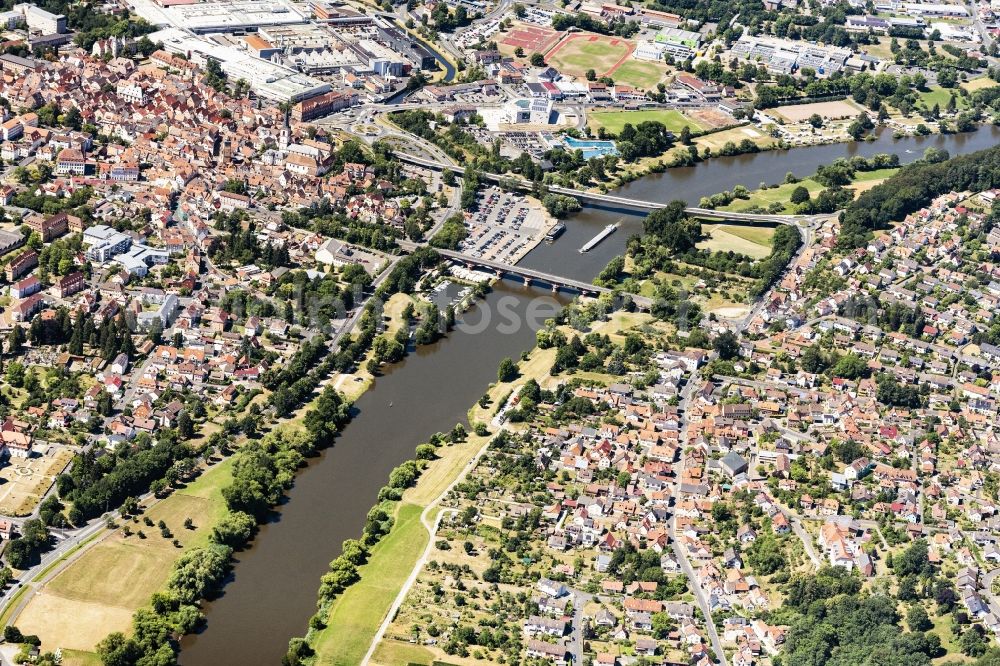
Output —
(11, 19)
(933, 9)
(646, 50)
(267, 79)
(41, 21)
(230, 16)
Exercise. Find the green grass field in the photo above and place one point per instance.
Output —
(877, 174)
(940, 96)
(613, 121)
(580, 54)
(358, 612)
(752, 241)
(97, 593)
(78, 658)
(780, 194)
(639, 74)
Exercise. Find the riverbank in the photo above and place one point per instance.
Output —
(359, 615)
(97, 590)
(283, 567)
(715, 143)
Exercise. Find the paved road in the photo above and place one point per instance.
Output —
(806, 229)
(432, 528)
(991, 598)
(699, 594)
(978, 23)
(806, 538)
(580, 599)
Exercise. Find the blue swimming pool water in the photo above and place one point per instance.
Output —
(592, 148)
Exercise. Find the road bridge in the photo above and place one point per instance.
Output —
(529, 275)
(610, 200)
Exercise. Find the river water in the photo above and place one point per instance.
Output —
(718, 174)
(272, 592)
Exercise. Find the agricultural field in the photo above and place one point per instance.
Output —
(836, 110)
(639, 74)
(578, 53)
(98, 591)
(613, 121)
(752, 241)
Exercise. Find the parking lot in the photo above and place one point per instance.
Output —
(505, 227)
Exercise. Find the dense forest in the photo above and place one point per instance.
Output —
(913, 188)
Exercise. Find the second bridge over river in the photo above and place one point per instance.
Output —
(529, 275)
(610, 200)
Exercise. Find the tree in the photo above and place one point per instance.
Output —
(850, 366)
(917, 618)
(519, 52)
(591, 75)
(947, 77)
(156, 331)
(765, 555)
(726, 345)
(799, 195)
(15, 339)
(508, 370)
(673, 227)
(117, 650)
(328, 413)
(913, 560)
(234, 530)
(537, 60)
(185, 427)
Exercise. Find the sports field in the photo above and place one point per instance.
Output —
(613, 121)
(640, 74)
(752, 241)
(578, 53)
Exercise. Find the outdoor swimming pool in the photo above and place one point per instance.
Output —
(591, 148)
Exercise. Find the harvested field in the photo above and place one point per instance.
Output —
(829, 110)
(710, 118)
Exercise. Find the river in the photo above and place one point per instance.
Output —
(718, 174)
(272, 592)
